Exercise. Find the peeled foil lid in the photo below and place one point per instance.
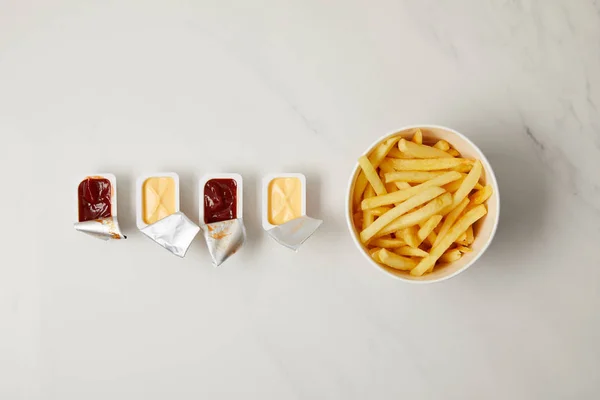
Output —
(105, 228)
(224, 239)
(295, 232)
(175, 233)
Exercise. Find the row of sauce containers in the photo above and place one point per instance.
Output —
(220, 213)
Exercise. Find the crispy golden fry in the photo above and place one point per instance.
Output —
(442, 145)
(410, 252)
(459, 227)
(454, 186)
(418, 137)
(482, 195)
(375, 254)
(468, 184)
(401, 195)
(387, 243)
(395, 261)
(371, 175)
(428, 227)
(453, 153)
(368, 216)
(411, 176)
(415, 217)
(376, 157)
(396, 153)
(399, 210)
(451, 219)
(390, 187)
(429, 164)
(421, 151)
(409, 235)
(464, 168)
(450, 256)
(402, 185)
(470, 236)
(379, 211)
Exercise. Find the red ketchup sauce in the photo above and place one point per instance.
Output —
(220, 200)
(94, 199)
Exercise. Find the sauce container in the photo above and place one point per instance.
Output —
(157, 212)
(97, 207)
(221, 214)
(284, 209)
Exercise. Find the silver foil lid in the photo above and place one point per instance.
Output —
(105, 228)
(175, 233)
(295, 232)
(224, 238)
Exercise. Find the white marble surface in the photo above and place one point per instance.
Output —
(135, 86)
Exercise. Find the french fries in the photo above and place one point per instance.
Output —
(437, 251)
(421, 151)
(442, 145)
(376, 157)
(415, 204)
(372, 175)
(429, 164)
(411, 176)
(395, 261)
(401, 195)
(397, 211)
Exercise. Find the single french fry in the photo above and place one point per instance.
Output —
(453, 152)
(431, 238)
(411, 176)
(478, 187)
(452, 187)
(429, 164)
(396, 153)
(371, 175)
(470, 236)
(420, 150)
(401, 195)
(463, 167)
(409, 235)
(379, 211)
(468, 184)
(450, 256)
(428, 226)
(390, 187)
(397, 211)
(482, 195)
(368, 217)
(375, 254)
(457, 229)
(395, 261)
(410, 252)
(402, 185)
(388, 243)
(375, 158)
(464, 249)
(417, 216)
(451, 219)
(442, 145)
(418, 137)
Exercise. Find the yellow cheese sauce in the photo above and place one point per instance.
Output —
(158, 198)
(285, 200)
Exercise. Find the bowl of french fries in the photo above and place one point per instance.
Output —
(423, 204)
